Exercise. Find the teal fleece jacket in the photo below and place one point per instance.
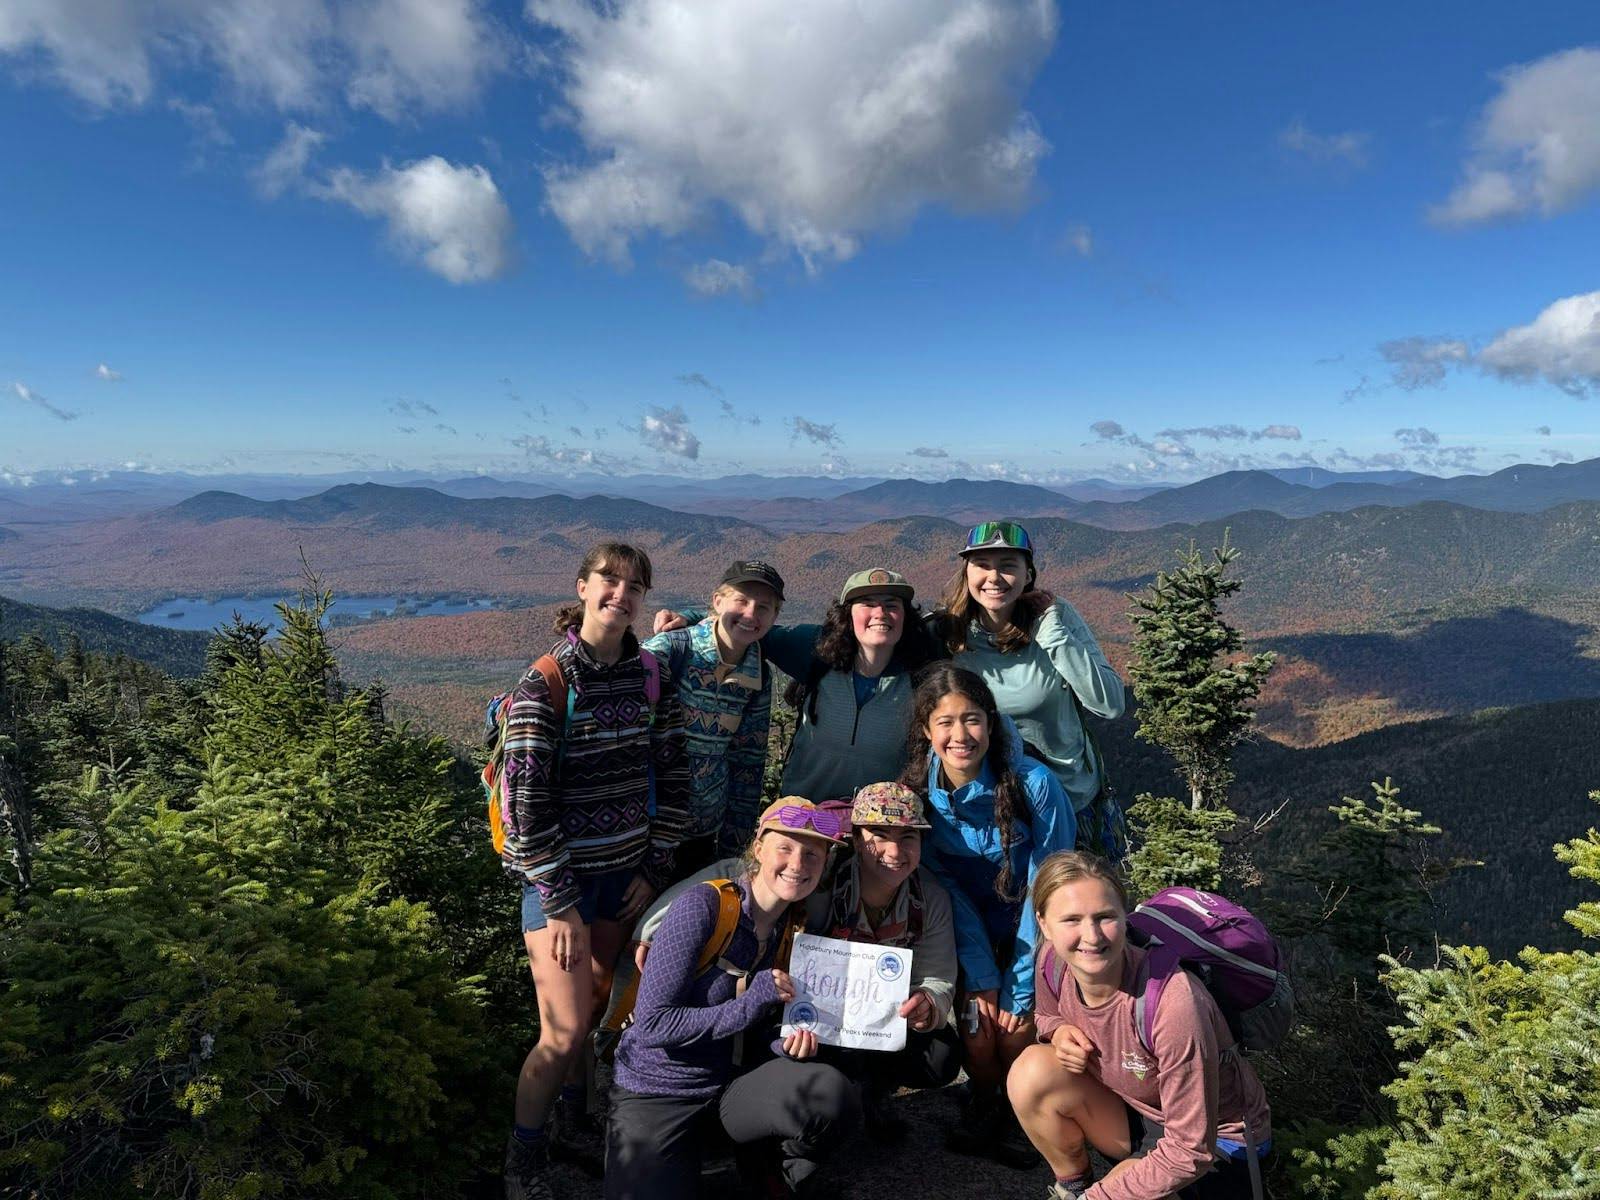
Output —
(1035, 688)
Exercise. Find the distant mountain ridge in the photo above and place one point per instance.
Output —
(177, 652)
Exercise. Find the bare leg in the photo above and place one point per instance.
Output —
(565, 1000)
(1064, 1113)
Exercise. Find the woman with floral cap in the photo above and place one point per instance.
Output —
(1042, 664)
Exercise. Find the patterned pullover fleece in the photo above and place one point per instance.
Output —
(725, 723)
(590, 813)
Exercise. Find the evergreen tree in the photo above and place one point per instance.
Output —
(1196, 695)
(1176, 846)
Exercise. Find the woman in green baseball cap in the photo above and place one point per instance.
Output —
(852, 684)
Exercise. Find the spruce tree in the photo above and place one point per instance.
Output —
(1196, 694)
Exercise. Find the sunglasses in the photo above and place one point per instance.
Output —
(829, 824)
(1007, 533)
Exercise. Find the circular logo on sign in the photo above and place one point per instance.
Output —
(802, 1015)
(890, 966)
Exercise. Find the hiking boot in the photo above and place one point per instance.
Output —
(1069, 1189)
(527, 1175)
(974, 1128)
(577, 1138)
(882, 1125)
(1011, 1147)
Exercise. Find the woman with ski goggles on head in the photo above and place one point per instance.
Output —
(852, 683)
(1042, 664)
(722, 680)
(996, 814)
(694, 1070)
(1182, 1116)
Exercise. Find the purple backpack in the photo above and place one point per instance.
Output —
(1224, 946)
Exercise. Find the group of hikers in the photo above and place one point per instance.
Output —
(940, 794)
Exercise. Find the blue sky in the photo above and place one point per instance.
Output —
(981, 237)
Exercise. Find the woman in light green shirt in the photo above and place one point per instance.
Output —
(1042, 664)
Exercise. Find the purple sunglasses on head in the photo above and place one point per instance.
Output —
(830, 824)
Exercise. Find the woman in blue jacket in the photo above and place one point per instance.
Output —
(996, 815)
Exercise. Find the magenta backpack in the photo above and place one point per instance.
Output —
(1226, 947)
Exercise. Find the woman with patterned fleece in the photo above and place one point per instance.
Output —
(721, 678)
(578, 774)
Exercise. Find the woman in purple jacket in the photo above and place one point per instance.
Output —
(694, 1069)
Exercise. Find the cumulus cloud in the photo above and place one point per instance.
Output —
(451, 218)
(667, 430)
(1537, 144)
(1107, 430)
(823, 435)
(106, 373)
(285, 166)
(390, 56)
(1283, 433)
(929, 452)
(812, 125)
(1561, 345)
(539, 446)
(28, 396)
(717, 278)
(1229, 433)
(1419, 362)
(1349, 147)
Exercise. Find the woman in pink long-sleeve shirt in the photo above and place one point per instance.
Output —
(1173, 1114)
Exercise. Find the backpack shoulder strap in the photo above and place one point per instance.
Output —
(1159, 964)
(729, 899)
(794, 923)
(652, 676)
(556, 684)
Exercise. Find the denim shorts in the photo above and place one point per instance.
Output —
(599, 899)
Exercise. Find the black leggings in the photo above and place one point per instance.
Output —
(929, 1060)
(655, 1144)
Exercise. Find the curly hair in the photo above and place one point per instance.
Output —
(604, 556)
(1010, 801)
(836, 650)
(957, 611)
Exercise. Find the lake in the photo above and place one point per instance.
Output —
(196, 612)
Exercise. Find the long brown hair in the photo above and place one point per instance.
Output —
(604, 556)
(837, 647)
(958, 610)
(1069, 866)
(1010, 802)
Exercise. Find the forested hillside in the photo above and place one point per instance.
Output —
(171, 650)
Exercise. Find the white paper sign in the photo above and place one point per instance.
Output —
(848, 993)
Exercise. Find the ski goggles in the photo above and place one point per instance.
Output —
(998, 535)
(802, 816)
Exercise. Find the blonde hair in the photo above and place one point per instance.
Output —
(1069, 866)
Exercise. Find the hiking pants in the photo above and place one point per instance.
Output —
(655, 1144)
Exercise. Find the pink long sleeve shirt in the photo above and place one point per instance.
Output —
(1185, 1084)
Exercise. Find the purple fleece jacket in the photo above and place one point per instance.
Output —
(681, 1039)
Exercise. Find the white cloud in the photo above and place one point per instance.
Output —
(1348, 147)
(1079, 239)
(667, 430)
(1419, 436)
(812, 124)
(430, 54)
(285, 167)
(717, 278)
(1561, 345)
(452, 218)
(1419, 362)
(28, 396)
(106, 373)
(1537, 146)
(929, 452)
(390, 56)
(1284, 433)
